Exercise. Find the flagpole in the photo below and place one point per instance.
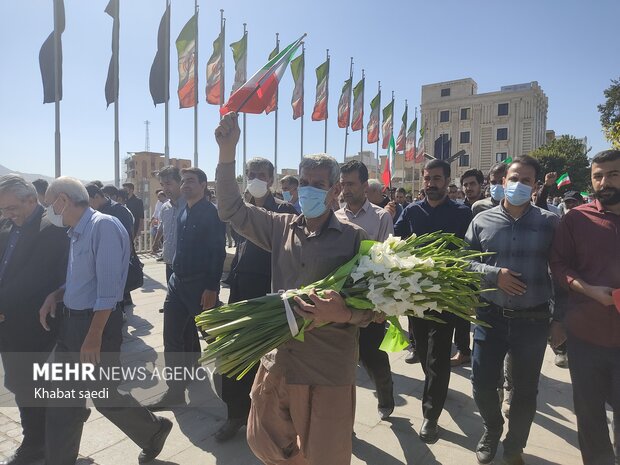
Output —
(275, 157)
(405, 148)
(115, 45)
(391, 137)
(196, 88)
(362, 127)
(379, 126)
(303, 76)
(245, 179)
(167, 88)
(56, 91)
(222, 56)
(415, 148)
(326, 101)
(346, 129)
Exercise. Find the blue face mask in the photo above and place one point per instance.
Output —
(312, 201)
(287, 196)
(497, 192)
(518, 194)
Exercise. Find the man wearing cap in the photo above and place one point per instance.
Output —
(570, 200)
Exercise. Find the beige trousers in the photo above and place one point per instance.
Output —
(296, 424)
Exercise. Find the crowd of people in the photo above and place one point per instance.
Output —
(66, 253)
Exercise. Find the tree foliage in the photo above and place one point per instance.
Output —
(610, 113)
(566, 155)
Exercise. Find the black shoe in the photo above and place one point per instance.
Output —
(429, 432)
(167, 401)
(412, 357)
(25, 455)
(229, 429)
(385, 412)
(156, 444)
(487, 447)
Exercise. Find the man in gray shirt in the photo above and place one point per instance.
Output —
(519, 234)
(378, 225)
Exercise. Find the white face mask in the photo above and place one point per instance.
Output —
(257, 188)
(55, 218)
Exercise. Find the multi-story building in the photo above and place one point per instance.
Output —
(142, 169)
(487, 127)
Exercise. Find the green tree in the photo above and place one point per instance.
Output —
(566, 155)
(610, 113)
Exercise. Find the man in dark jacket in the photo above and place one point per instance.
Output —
(33, 262)
(99, 201)
(249, 278)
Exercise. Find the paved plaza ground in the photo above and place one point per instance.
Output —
(553, 438)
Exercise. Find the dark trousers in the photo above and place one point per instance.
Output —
(181, 341)
(595, 373)
(236, 394)
(18, 380)
(434, 345)
(64, 424)
(461, 335)
(527, 340)
(168, 272)
(377, 363)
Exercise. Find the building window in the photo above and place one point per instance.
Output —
(464, 160)
(444, 116)
(443, 147)
(502, 134)
(465, 114)
(500, 157)
(464, 138)
(502, 109)
(445, 92)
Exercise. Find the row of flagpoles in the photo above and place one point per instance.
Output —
(257, 95)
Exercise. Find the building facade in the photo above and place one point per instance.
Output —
(142, 169)
(488, 128)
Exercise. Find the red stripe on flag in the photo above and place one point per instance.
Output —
(257, 103)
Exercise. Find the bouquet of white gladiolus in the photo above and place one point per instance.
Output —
(422, 276)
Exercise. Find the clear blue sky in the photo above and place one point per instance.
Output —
(571, 48)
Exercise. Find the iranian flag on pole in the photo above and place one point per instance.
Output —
(256, 94)
(186, 48)
(388, 171)
(358, 106)
(214, 73)
(344, 105)
(402, 134)
(373, 122)
(274, 101)
(320, 105)
(387, 129)
(410, 143)
(563, 180)
(297, 101)
(240, 56)
(419, 151)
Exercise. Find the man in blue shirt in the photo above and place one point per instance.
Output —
(91, 327)
(434, 340)
(195, 282)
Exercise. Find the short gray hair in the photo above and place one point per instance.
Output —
(72, 188)
(18, 186)
(322, 160)
(374, 185)
(260, 162)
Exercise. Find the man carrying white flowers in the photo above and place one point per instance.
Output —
(519, 234)
(303, 397)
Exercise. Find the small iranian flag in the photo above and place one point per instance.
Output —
(358, 106)
(387, 129)
(402, 134)
(297, 70)
(344, 105)
(186, 48)
(563, 180)
(507, 161)
(386, 176)
(322, 92)
(214, 73)
(410, 145)
(274, 101)
(373, 122)
(256, 94)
